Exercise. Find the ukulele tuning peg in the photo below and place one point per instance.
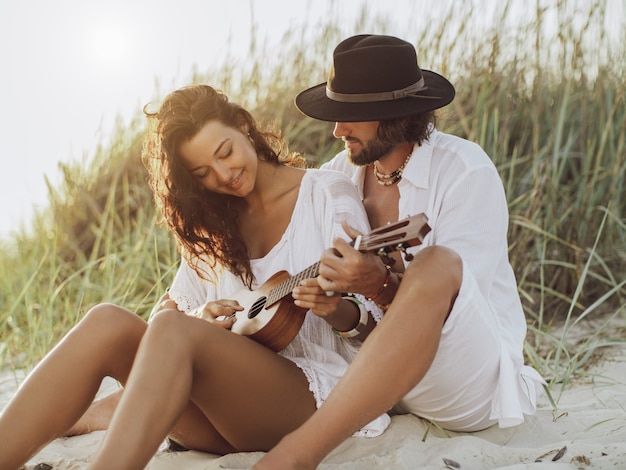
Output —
(407, 256)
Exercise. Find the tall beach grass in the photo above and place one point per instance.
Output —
(547, 104)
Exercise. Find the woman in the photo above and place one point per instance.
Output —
(240, 214)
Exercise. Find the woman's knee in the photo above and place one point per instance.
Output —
(107, 314)
(168, 320)
(183, 333)
(109, 335)
(171, 326)
(110, 320)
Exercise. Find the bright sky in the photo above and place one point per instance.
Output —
(69, 67)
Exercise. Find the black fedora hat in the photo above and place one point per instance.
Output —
(374, 78)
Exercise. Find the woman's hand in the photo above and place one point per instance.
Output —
(339, 313)
(165, 302)
(219, 312)
(311, 296)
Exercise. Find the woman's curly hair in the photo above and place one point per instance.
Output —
(204, 223)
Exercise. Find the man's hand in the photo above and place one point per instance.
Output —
(344, 269)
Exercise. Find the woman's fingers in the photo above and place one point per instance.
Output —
(311, 296)
(219, 312)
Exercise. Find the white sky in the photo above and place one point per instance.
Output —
(69, 67)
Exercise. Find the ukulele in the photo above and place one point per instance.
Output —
(271, 318)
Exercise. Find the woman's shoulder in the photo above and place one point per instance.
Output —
(327, 177)
(329, 187)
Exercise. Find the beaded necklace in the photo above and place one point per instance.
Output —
(385, 179)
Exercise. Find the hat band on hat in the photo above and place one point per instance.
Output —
(408, 92)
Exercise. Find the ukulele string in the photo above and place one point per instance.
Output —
(285, 287)
(383, 239)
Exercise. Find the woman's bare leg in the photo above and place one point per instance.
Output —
(65, 382)
(97, 417)
(99, 414)
(192, 431)
(251, 397)
(381, 373)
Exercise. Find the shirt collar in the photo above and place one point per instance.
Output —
(417, 171)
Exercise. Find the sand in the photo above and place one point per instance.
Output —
(587, 431)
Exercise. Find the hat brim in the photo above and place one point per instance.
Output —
(314, 103)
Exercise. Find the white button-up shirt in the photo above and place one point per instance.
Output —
(455, 183)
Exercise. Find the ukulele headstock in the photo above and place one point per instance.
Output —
(397, 236)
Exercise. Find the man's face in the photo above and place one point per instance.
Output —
(362, 142)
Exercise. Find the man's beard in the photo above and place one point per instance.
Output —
(374, 150)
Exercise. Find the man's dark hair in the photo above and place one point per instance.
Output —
(415, 128)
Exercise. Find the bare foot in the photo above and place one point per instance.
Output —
(97, 417)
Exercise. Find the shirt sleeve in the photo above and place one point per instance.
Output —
(472, 219)
(189, 290)
(336, 201)
(341, 201)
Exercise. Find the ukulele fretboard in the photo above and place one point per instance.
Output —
(284, 288)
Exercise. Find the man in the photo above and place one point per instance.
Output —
(449, 346)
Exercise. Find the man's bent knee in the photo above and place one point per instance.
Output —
(438, 262)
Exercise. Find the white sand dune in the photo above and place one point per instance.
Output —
(588, 431)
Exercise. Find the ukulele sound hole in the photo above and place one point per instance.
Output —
(257, 307)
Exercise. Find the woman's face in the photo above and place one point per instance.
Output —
(222, 159)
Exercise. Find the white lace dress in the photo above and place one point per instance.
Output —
(325, 199)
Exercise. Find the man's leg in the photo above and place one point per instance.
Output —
(393, 359)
